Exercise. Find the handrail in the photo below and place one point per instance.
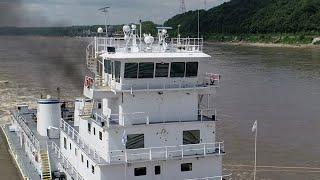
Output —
(122, 119)
(166, 152)
(223, 177)
(137, 118)
(174, 44)
(202, 82)
(71, 170)
(21, 122)
(75, 136)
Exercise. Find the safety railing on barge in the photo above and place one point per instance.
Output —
(74, 135)
(21, 122)
(166, 152)
(71, 170)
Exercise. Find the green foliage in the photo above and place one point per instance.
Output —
(252, 17)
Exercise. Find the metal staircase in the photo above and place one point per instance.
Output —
(87, 109)
(45, 164)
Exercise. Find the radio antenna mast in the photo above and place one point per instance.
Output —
(105, 10)
(182, 6)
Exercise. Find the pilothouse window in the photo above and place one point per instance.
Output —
(146, 70)
(162, 69)
(192, 69)
(177, 69)
(131, 70)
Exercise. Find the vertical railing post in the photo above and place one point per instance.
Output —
(150, 154)
(219, 148)
(204, 149)
(182, 153)
(166, 152)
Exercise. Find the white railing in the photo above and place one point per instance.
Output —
(74, 135)
(166, 152)
(204, 114)
(138, 118)
(209, 80)
(124, 119)
(22, 124)
(71, 170)
(223, 177)
(174, 45)
(187, 44)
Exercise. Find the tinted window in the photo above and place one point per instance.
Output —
(177, 69)
(186, 167)
(162, 69)
(192, 69)
(157, 170)
(141, 171)
(191, 137)
(131, 70)
(117, 66)
(146, 70)
(107, 66)
(65, 143)
(100, 135)
(135, 141)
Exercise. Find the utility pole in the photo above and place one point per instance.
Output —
(105, 10)
(182, 6)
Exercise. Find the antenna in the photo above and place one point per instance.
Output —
(182, 6)
(198, 23)
(105, 10)
(205, 4)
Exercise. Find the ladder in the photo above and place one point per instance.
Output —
(45, 164)
(91, 57)
(87, 109)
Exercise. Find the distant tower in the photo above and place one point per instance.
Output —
(182, 6)
(205, 4)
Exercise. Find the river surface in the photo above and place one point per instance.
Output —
(279, 87)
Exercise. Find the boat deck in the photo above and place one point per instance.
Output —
(19, 155)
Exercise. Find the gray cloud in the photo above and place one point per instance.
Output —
(80, 12)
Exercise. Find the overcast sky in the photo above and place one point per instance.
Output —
(83, 12)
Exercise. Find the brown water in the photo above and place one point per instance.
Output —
(280, 87)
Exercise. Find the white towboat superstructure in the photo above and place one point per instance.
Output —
(147, 114)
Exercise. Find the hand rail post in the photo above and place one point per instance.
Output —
(219, 147)
(182, 154)
(166, 152)
(150, 154)
(204, 149)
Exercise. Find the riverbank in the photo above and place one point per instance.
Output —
(271, 45)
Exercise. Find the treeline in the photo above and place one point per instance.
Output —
(72, 31)
(252, 17)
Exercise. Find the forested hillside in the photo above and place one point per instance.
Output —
(253, 17)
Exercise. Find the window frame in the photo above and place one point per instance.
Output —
(186, 69)
(168, 70)
(137, 71)
(134, 144)
(172, 73)
(139, 68)
(185, 140)
(144, 173)
(100, 135)
(186, 167)
(157, 170)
